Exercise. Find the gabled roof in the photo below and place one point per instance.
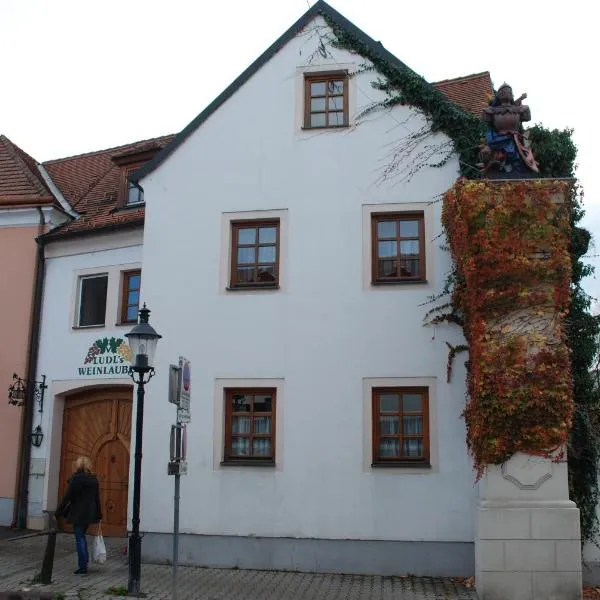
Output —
(470, 92)
(21, 183)
(91, 183)
(319, 8)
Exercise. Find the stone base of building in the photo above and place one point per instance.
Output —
(366, 557)
(527, 534)
(528, 553)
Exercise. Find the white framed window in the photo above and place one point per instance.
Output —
(260, 238)
(398, 241)
(91, 309)
(402, 438)
(244, 417)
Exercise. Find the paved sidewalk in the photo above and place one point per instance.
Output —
(20, 562)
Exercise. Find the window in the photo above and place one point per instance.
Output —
(326, 100)
(400, 426)
(249, 426)
(134, 194)
(92, 300)
(130, 300)
(255, 254)
(398, 247)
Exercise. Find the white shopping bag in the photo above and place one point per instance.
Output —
(98, 548)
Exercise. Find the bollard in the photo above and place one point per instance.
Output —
(48, 563)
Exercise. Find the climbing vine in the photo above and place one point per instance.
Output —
(510, 245)
(403, 86)
(555, 153)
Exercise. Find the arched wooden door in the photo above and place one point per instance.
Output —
(97, 423)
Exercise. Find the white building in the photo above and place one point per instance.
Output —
(285, 259)
(324, 435)
(90, 300)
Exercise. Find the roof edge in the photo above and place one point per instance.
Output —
(375, 49)
(55, 234)
(279, 43)
(21, 158)
(463, 78)
(103, 150)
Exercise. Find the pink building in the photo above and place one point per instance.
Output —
(28, 208)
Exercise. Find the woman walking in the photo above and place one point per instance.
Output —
(81, 507)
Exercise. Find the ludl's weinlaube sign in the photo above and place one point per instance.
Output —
(106, 356)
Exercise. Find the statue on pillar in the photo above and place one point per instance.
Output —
(506, 153)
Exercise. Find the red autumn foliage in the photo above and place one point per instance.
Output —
(510, 245)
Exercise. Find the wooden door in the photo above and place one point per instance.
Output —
(97, 423)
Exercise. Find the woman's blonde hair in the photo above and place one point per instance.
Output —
(83, 463)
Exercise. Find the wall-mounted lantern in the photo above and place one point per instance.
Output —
(17, 391)
(37, 436)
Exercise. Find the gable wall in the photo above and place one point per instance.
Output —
(323, 335)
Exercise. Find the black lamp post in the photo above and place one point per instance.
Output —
(142, 341)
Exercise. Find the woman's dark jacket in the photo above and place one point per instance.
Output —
(81, 502)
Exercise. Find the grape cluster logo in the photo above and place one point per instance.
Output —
(107, 356)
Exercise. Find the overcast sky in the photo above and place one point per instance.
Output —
(82, 75)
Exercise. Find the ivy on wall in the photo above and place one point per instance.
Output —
(510, 245)
(404, 86)
(555, 153)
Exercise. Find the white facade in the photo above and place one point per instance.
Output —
(323, 339)
(64, 346)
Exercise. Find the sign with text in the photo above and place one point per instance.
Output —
(106, 356)
(177, 468)
(185, 387)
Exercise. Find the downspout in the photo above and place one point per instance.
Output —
(22, 499)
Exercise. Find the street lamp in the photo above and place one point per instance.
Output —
(142, 341)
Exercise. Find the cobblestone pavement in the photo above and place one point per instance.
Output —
(20, 562)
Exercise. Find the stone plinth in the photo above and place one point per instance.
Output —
(527, 537)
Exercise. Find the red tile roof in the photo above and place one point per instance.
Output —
(21, 183)
(91, 182)
(471, 92)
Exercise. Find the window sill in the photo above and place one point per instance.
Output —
(304, 128)
(89, 326)
(248, 463)
(400, 282)
(242, 288)
(126, 324)
(401, 465)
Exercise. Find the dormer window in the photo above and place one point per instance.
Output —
(130, 195)
(326, 100)
(135, 195)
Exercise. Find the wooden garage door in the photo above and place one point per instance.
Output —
(97, 423)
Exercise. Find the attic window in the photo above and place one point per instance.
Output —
(129, 162)
(135, 195)
(326, 100)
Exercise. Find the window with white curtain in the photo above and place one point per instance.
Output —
(400, 426)
(250, 426)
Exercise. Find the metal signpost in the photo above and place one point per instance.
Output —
(180, 382)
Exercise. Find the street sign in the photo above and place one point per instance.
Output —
(177, 468)
(178, 442)
(183, 416)
(185, 386)
(174, 384)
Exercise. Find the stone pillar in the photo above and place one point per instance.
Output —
(527, 537)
